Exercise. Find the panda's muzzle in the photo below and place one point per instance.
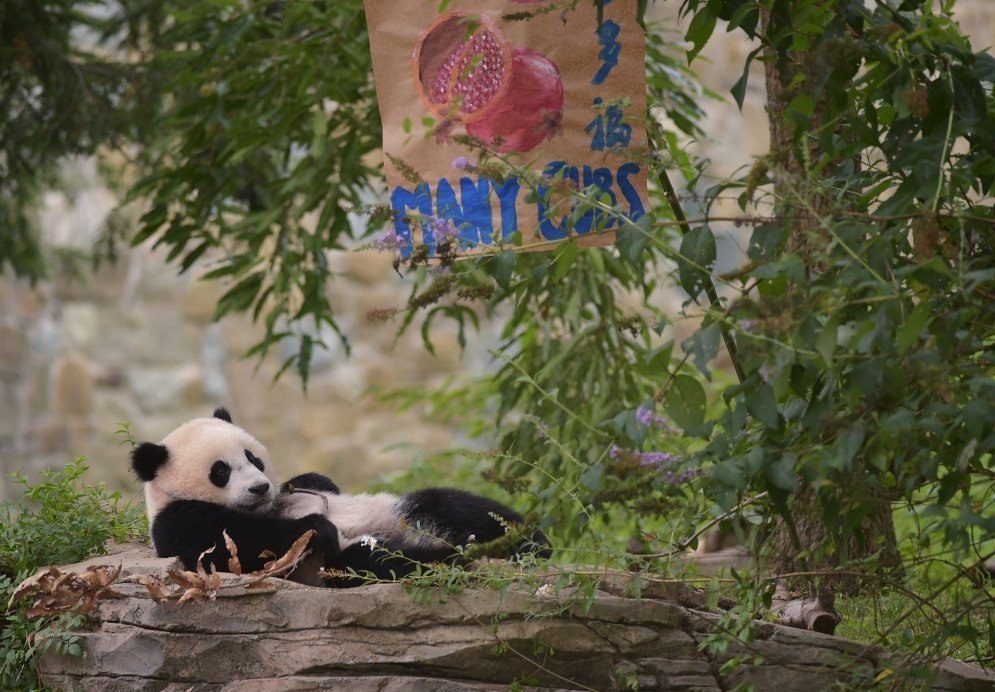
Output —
(259, 489)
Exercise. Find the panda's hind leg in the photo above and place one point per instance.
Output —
(460, 518)
(384, 560)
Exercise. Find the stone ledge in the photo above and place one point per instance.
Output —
(376, 638)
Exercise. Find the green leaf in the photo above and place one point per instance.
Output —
(627, 424)
(697, 255)
(849, 443)
(826, 343)
(701, 27)
(730, 473)
(762, 406)
(790, 267)
(631, 240)
(738, 90)
(658, 359)
(766, 242)
(908, 333)
(704, 346)
(502, 267)
(593, 477)
(685, 402)
(566, 255)
(781, 473)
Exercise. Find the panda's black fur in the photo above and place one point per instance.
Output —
(424, 526)
(210, 476)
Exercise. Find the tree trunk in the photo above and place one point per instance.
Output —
(803, 200)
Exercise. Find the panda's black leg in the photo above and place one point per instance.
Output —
(461, 518)
(384, 561)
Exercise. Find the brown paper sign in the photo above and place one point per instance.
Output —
(556, 93)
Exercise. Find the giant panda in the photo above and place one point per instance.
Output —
(209, 476)
(382, 531)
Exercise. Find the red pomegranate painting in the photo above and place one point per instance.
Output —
(465, 71)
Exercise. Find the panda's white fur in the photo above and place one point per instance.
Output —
(427, 524)
(194, 448)
(358, 517)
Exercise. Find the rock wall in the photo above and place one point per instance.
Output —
(377, 638)
(135, 343)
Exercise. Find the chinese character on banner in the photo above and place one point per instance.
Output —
(557, 93)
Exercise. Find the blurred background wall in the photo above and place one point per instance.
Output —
(134, 342)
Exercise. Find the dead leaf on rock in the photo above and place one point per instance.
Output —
(185, 579)
(157, 588)
(54, 591)
(191, 595)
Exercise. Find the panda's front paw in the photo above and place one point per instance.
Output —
(326, 536)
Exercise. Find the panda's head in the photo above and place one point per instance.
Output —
(208, 459)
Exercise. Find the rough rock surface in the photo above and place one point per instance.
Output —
(377, 637)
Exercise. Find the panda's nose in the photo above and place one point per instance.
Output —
(259, 489)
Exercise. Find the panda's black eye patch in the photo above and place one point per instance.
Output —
(254, 460)
(220, 473)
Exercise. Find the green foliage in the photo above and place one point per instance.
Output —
(58, 520)
(67, 87)
(260, 153)
(862, 319)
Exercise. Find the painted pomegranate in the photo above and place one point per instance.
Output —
(466, 71)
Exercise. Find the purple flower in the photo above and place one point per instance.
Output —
(388, 242)
(442, 230)
(656, 458)
(650, 419)
(682, 477)
(617, 453)
(463, 164)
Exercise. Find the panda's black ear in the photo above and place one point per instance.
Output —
(222, 413)
(146, 459)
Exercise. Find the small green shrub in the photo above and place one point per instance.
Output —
(56, 521)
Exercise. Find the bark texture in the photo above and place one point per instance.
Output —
(804, 200)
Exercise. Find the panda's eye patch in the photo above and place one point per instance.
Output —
(254, 460)
(220, 473)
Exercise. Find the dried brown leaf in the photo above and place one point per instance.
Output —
(157, 588)
(31, 584)
(213, 583)
(234, 566)
(201, 572)
(191, 594)
(185, 579)
(290, 557)
(55, 592)
(267, 555)
(100, 576)
(39, 612)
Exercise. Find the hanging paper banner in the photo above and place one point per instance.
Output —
(537, 83)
